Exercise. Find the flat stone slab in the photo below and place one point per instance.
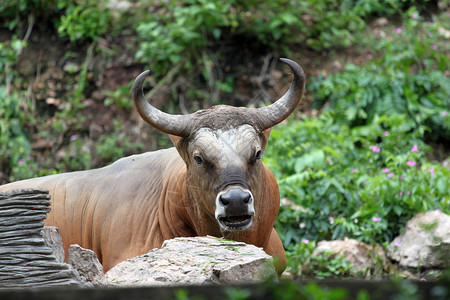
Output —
(194, 260)
(25, 259)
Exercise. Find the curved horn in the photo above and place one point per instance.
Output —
(171, 124)
(278, 111)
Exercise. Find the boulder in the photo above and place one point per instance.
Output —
(85, 261)
(361, 255)
(195, 260)
(424, 243)
(25, 259)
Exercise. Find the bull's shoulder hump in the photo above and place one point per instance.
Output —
(147, 159)
(154, 161)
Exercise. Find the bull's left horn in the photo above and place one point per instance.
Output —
(171, 124)
(273, 114)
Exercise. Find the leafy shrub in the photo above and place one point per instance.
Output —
(14, 12)
(78, 20)
(180, 32)
(176, 31)
(116, 145)
(408, 78)
(119, 97)
(89, 20)
(303, 261)
(363, 182)
(14, 146)
(8, 58)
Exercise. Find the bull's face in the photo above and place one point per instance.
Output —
(225, 165)
(222, 148)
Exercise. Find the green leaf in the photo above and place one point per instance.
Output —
(398, 210)
(315, 159)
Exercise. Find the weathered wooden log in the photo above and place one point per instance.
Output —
(25, 260)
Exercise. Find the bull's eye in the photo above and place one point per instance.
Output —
(198, 159)
(258, 154)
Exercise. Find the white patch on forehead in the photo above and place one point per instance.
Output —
(226, 144)
(235, 137)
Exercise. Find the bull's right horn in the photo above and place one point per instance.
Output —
(278, 111)
(171, 124)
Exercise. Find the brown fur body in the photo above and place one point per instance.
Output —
(127, 208)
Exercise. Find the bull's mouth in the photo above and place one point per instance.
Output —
(236, 222)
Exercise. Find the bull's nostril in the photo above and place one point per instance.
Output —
(247, 199)
(223, 201)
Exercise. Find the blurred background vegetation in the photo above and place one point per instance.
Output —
(367, 149)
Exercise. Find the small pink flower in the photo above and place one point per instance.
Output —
(390, 175)
(386, 133)
(408, 193)
(444, 113)
(414, 16)
(400, 194)
(414, 148)
(429, 34)
(74, 137)
(398, 30)
(85, 148)
(411, 163)
(376, 219)
(402, 177)
(374, 148)
(397, 244)
(385, 170)
(354, 171)
(431, 171)
(434, 47)
(437, 209)
(305, 241)
(20, 161)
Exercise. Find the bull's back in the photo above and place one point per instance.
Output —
(99, 207)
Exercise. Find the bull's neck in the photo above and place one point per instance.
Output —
(174, 205)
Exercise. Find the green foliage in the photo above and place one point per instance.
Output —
(8, 58)
(408, 78)
(14, 145)
(116, 145)
(357, 182)
(332, 24)
(305, 261)
(179, 32)
(119, 97)
(77, 155)
(325, 265)
(15, 12)
(89, 20)
(77, 20)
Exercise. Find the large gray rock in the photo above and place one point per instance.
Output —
(425, 242)
(25, 260)
(85, 261)
(196, 260)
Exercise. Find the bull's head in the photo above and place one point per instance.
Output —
(222, 148)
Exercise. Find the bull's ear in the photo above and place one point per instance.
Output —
(175, 139)
(266, 133)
